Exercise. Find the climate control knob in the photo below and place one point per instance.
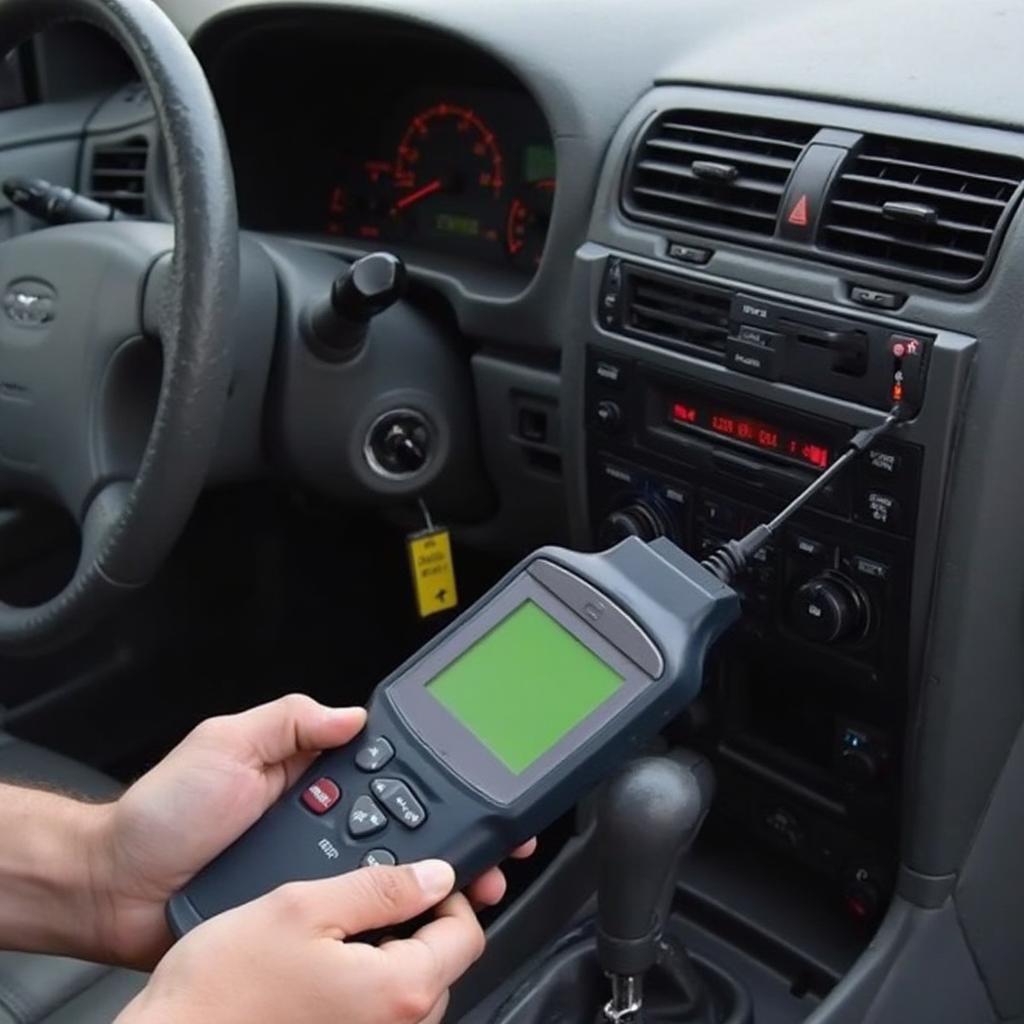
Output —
(830, 608)
(637, 520)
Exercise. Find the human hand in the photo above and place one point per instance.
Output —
(209, 790)
(288, 956)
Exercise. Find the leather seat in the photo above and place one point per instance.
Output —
(50, 989)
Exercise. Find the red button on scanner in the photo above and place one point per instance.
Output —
(321, 796)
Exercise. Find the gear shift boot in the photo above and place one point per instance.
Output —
(570, 988)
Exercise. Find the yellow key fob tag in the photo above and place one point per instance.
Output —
(433, 572)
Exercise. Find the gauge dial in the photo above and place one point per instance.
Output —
(526, 224)
(449, 175)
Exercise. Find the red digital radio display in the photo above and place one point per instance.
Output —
(769, 437)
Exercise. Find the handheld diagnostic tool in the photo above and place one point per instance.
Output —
(496, 728)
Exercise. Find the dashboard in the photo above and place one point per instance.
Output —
(446, 156)
(678, 255)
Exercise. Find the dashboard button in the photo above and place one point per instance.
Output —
(321, 796)
(883, 462)
(876, 299)
(748, 310)
(374, 755)
(870, 568)
(688, 253)
(808, 547)
(610, 373)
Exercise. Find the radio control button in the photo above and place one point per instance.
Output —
(755, 359)
(870, 568)
(379, 858)
(321, 796)
(365, 818)
(610, 373)
(374, 755)
(881, 509)
(399, 801)
(758, 336)
(747, 310)
(608, 416)
(883, 462)
(808, 547)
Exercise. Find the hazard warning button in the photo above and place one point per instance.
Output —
(808, 185)
(798, 215)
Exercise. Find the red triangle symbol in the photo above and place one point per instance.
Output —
(798, 216)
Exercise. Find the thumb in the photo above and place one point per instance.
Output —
(378, 897)
(295, 724)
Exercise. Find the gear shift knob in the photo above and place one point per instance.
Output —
(648, 816)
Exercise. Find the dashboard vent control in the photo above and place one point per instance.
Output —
(674, 311)
(934, 211)
(698, 168)
(118, 175)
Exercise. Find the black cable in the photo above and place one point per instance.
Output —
(733, 557)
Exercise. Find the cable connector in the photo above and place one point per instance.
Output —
(733, 557)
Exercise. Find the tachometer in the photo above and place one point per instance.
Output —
(449, 175)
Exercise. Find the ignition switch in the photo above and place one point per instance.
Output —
(399, 444)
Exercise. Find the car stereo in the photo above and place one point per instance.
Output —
(805, 712)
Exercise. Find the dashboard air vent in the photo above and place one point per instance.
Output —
(118, 175)
(934, 210)
(671, 310)
(696, 168)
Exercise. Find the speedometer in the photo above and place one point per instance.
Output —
(449, 176)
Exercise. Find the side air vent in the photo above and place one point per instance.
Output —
(671, 311)
(118, 175)
(936, 211)
(696, 168)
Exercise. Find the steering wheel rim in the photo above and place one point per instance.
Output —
(129, 528)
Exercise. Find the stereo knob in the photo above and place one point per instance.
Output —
(830, 608)
(636, 520)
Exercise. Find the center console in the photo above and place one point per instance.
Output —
(805, 711)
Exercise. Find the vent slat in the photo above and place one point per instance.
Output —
(746, 139)
(721, 153)
(757, 154)
(876, 211)
(923, 190)
(967, 195)
(676, 171)
(118, 175)
(921, 247)
(710, 204)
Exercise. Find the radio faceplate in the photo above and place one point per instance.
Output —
(805, 713)
(845, 357)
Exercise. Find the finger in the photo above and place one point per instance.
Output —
(441, 951)
(528, 849)
(488, 889)
(277, 731)
(370, 898)
(436, 1015)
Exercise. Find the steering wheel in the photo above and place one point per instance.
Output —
(72, 299)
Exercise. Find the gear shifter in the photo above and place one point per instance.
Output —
(648, 817)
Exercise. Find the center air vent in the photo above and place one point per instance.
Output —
(118, 175)
(672, 311)
(696, 168)
(937, 211)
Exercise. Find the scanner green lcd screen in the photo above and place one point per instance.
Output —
(524, 685)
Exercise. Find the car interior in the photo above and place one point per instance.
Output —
(542, 273)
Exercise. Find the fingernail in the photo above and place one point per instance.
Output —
(435, 877)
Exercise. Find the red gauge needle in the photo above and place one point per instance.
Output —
(420, 193)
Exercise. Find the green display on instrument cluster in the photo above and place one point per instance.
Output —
(538, 163)
(457, 224)
(524, 685)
